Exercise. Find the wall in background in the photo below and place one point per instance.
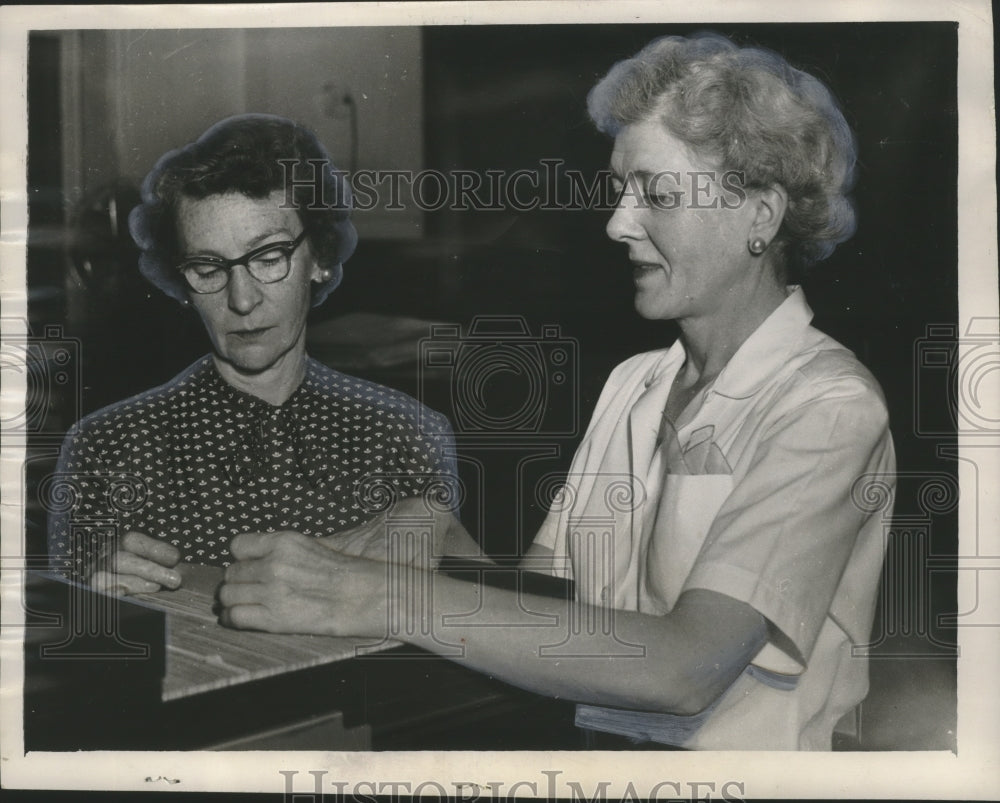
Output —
(137, 94)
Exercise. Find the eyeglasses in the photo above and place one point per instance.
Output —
(268, 264)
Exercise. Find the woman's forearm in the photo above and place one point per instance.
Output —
(563, 649)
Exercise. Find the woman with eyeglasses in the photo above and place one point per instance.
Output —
(250, 226)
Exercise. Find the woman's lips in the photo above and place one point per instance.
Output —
(250, 335)
(642, 269)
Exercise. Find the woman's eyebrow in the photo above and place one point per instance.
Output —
(646, 175)
(269, 233)
(640, 174)
(249, 244)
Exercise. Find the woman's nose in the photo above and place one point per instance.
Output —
(623, 224)
(244, 290)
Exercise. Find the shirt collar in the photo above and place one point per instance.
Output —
(767, 349)
(760, 356)
(667, 366)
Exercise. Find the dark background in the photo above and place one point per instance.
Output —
(506, 97)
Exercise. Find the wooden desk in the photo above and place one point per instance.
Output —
(204, 686)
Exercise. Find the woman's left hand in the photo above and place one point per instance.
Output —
(285, 582)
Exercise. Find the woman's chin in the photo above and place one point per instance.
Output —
(651, 311)
(249, 360)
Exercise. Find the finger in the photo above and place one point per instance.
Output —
(232, 594)
(130, 563)
(151, 548)
(121, 584)
(246, 617)
(246, 571)
(248, 546)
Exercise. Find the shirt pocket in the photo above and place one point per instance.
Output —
(687, 507)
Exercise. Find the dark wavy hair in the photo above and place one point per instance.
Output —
(252, 154)
(747, 110)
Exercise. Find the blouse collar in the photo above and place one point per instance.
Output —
(246, 457)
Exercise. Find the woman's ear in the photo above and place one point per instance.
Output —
(317, 273)
(321, 275)
(771, 203)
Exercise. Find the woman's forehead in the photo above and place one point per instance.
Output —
(648, 147)
(233, 219)
(236, 204)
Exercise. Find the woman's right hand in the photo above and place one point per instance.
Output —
(140, 565)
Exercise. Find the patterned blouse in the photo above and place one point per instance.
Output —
(196, 461)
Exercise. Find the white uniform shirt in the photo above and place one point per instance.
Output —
(761, 491)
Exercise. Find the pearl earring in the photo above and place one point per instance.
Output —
(757, 246)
